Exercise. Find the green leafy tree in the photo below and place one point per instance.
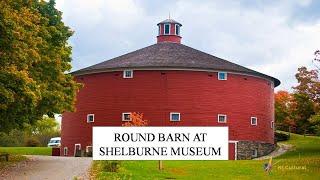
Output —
(315, 124)
(34, 59)
(302, 110)
(43, 130)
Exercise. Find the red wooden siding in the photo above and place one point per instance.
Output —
(198, 96)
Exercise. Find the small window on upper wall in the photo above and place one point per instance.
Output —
(174, 116)
(166, 29)
(254, 121)
(126, 116)
(90, 118)
(222, 118)
(272, 124)
(177, 29)
(127, 74)
(222, 76)
(159, 30)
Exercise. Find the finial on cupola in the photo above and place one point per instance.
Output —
(169, 31)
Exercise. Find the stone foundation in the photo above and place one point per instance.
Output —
(248, 149)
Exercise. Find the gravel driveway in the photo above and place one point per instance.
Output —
(50, 167)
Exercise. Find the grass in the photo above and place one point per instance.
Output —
(303, 162)
(26, 150)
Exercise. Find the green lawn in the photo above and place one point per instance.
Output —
(27, 150)
(301, 163)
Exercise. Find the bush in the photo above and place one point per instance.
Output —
(12, 139)
(110, 166)
(281, 136)
(32, 142)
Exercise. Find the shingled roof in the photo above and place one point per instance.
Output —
(169, 55)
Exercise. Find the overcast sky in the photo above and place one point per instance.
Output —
(274, 38)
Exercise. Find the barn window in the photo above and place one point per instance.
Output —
(222, 76)
(90, 118)
(126, 116)
(159, 30)
(272, 124)
(174, 116)
(127, 74)
(177, 29)
(255, 153)
(65, 151)
(222, 118)
(254, 121)
(166, 29)
(89, 149)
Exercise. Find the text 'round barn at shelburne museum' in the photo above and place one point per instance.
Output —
(174, 85)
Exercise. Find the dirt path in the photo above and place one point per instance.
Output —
(49, 167)
(279, 151)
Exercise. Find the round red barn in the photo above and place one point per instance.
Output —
(174, 85)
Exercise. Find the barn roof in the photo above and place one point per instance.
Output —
(173, 56)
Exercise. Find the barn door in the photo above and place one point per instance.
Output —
(77, 150)
(232, 150)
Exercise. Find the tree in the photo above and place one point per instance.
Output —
(302, 110)
(34, 59)
(43, 130)
(282, 106)
(309, 84)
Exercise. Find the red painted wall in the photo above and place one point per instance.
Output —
(198, 96)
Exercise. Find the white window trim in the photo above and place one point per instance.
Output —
(65, 151)
(171, 113)
(75, 147)
(226, 76)
(255, 153)
(124, 73)
(256, 121)
(125, 114)
(164, 29)
(224, 115)
(88, 118)
(272, 124)
(87, 147)
(175, 29)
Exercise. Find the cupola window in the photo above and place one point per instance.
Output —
(166, 29)
(177, 29)
(222, 76)
(159, 30)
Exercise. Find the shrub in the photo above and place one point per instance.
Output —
(110, 166)
(281, 136)
(32, 142)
